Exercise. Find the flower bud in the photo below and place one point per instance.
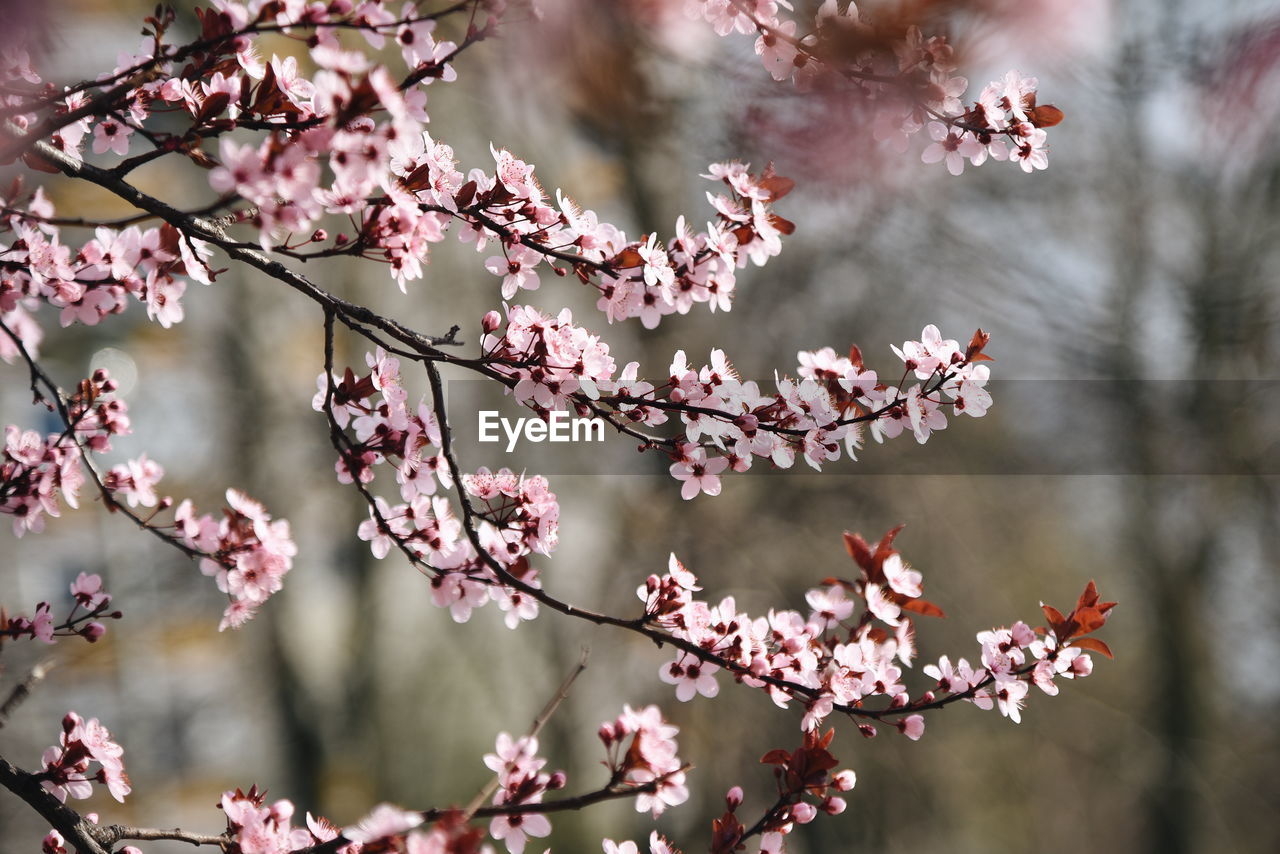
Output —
(804, 813)
(733, 798)
(844, 780)
(492, 320)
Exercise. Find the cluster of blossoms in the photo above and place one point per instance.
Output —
(53, 843)
(642, 750)
(350, 142)
(844, 652)
(646, 279)
(37, 471)
(246, 552)
(799, 774)
(64, 767)
(550, 363)
(516, 515)
(641, 756)
(256, 828)
(84, 284)
(1009, 655)
(910, 79)
(521, 780)
(89, 598)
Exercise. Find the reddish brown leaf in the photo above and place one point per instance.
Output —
(777, 186)
(419, 179)
(1093, 644)
(212, 106)
(1088, 620)
(465, 194)
(858, 549)
(923, 607)
(1054, 616)
(777, 756)
(855, 356)
(629, 257)
(783, 224)
(1089, 597)
(1045, 116)
(979, 340)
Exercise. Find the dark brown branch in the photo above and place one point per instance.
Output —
(76, 831)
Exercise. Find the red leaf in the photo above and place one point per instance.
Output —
(858, 549)
(855, 356)
(783, 224)
(465, 194)
(777, 186)
(886, 542)
(214, 104)
(777, 756)
(974, 350)
(1054, 616)
(1093, 644)
(923, 607)
(1046, 116)
(1088, 620)
(1089, 597)
(629, 257)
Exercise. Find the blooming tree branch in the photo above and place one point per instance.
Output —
(336, 161)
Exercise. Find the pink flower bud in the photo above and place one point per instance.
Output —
(834, 806)
(733, 798)
(557, 781)
(492, 320)
(93, 631)
(844, 780)
(804, 813)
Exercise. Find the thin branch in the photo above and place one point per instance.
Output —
(538, 723)
(23, 689)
